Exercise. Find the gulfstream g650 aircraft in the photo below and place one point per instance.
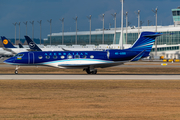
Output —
(87, 60)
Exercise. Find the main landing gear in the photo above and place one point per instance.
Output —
(16, 70)
(91, 71)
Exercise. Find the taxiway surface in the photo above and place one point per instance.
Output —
(89, 77)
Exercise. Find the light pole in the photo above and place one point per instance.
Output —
(121, 39)
(141, 23)
(149, 22)
(26, 26)
(138, 21)
(126, 25)
(19, 30)
(76, 29)
(50, 21)
(62, 20)
(15, 32)
(89, 17)
(32, 22)
(155, 11)
(40, 29)
(102, 16)
(114, 15)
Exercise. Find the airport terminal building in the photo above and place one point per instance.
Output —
(168, 45)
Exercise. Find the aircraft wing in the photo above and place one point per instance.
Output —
(64, 49)
(9, 50)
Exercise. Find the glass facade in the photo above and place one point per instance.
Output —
(176, 14)
(131, 37)
(169, 38)
(84, 39)
(165, 48)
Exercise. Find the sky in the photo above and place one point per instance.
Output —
(12, 11)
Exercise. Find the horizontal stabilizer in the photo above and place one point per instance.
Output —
(152, 35)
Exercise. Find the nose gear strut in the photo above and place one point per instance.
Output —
(16, 70)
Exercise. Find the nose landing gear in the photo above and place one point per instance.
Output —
(16, 70)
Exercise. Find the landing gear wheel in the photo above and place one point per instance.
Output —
(94, 72)
(16, 71)
(88, 71)
(91, 72)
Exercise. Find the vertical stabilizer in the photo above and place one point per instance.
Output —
(32, 44)
(145, 42)
(7, 43)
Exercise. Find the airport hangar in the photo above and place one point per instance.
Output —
(168, 45)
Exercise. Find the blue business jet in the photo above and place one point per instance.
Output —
(86, 60)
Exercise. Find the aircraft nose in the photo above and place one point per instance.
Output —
(10, 60)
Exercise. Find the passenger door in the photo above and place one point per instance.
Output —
(30, 58)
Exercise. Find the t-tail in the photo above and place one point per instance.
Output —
(20, 45)
(32, 44)
(6, 42)
(145, 42)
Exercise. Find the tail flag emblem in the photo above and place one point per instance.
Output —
(5, 42)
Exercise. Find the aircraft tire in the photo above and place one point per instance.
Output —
(94, 72)
(88, 71)
(16, 72)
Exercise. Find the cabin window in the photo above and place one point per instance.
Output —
(47, 57)
(40, 57)
(91, 56)
(76, 56)
(84, 56)
(62, 57)
(55, 57)
(69, 56)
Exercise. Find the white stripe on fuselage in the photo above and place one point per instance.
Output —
(77, 62)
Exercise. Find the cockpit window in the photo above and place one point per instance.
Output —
(19, 55)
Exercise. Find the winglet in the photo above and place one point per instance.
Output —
(32, 44)
(6, 42)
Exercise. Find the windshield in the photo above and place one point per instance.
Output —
(19, 55)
